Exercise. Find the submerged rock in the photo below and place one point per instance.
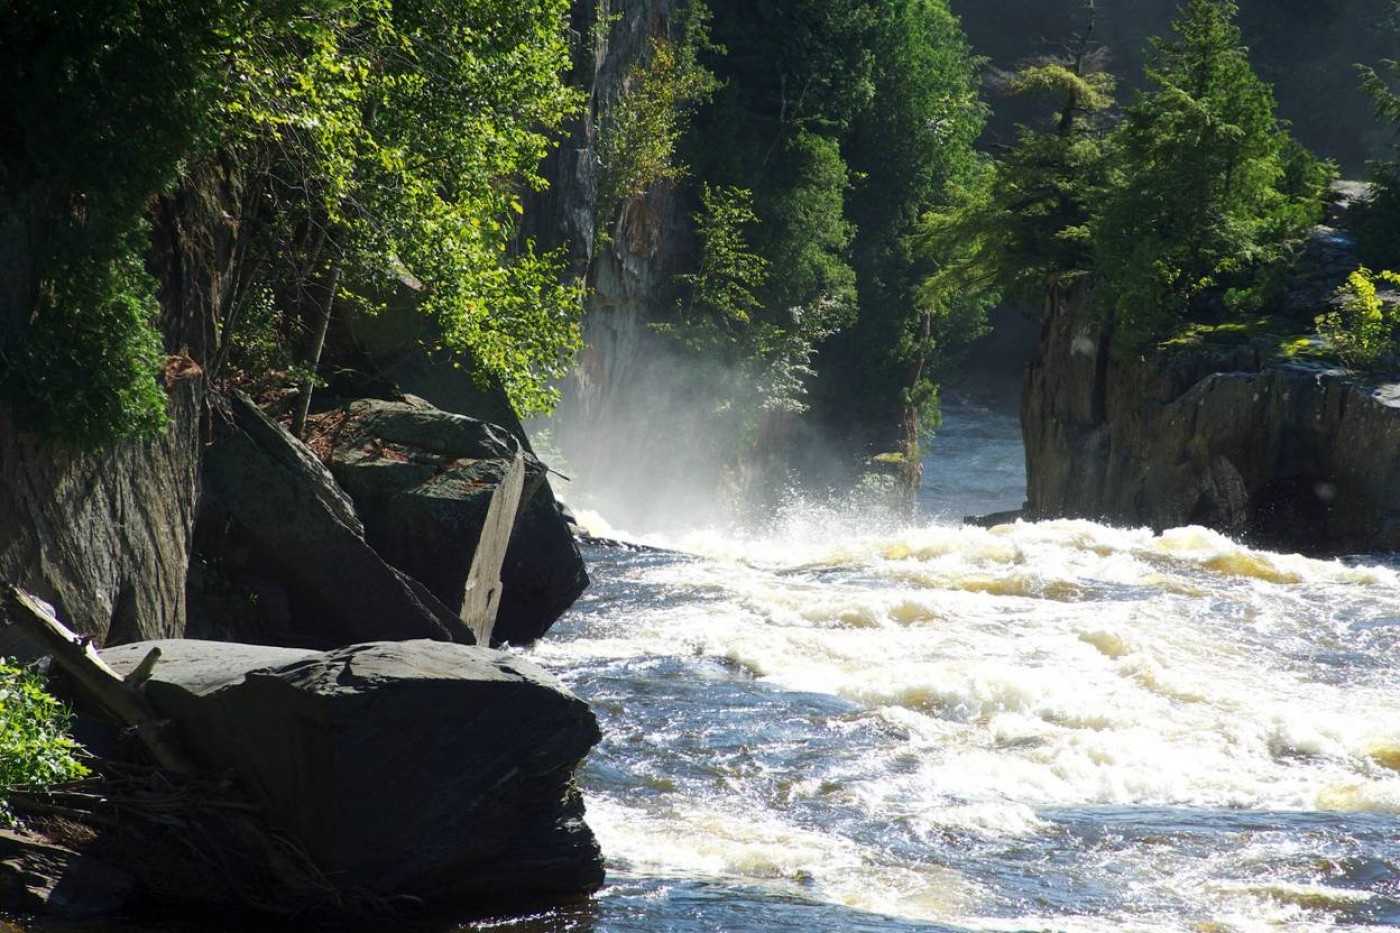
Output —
(436, 771)
(422, 480)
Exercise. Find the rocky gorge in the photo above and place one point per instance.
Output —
(332, 616)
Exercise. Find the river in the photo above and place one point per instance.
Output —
(1060, 726)
(839, 725)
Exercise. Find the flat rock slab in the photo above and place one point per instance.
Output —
(419, 768)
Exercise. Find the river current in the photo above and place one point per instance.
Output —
(838, 726)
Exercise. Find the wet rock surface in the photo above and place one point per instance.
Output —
(1287, 455)
(435, 771)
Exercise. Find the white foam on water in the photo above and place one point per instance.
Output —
(1018, 669)
(745, 845)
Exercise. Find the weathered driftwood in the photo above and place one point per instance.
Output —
(91, 675)
(483, 590)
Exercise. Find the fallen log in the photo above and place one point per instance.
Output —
(481, 598)
(121, 698)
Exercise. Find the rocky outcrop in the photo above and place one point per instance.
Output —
(422, 480)
(628, 386)
(273, 518)
(1283, 454)
(41, 878)
(423, 769)
(104, 536)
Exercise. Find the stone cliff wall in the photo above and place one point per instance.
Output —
(105, 536)
(626, 390)
(1284, 454)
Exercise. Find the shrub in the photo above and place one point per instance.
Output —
(1362, 326)
(35, 750)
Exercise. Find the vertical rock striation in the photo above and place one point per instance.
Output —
(625, 391)
(106, 535)
(1284, 454)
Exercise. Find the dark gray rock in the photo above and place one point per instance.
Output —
(40, 878)
(272, 516)
(103, 536)
(422, 480)
(1285, 455)
(438, 771)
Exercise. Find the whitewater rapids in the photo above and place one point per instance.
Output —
(1055, 726)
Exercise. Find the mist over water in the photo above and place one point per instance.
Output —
(836, 724)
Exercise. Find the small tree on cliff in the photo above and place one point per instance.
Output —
(1208, 181)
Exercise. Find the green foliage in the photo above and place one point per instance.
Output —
(87, 371)
(909, 151)
(1362, 327)
(1207, 184)
(389, 139)
(35, 750)
(806, 237)
(1022, 223)
(723, 289)
(846, 119)
(640, 132)
(100, 102)
(1378, 230)
(392, 140)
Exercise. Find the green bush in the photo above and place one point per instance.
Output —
(88, 372)
(1363, 326)
(35, 750)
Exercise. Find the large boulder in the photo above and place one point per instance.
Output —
(422, 480)
(103, 535)
(423, 769)
(274, 522)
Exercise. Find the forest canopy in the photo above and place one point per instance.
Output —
(1188, 192)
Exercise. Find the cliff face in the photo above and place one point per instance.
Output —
(1287, 455)
(626, 389)
(105, 536)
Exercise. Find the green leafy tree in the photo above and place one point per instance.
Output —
(640, 133)
(909, 148)
(100, 104)
(376, 143)
(392, 141)
(1202, 194)
(847, 119)
(1021, 223)
(1378, 230)
(723, 290)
